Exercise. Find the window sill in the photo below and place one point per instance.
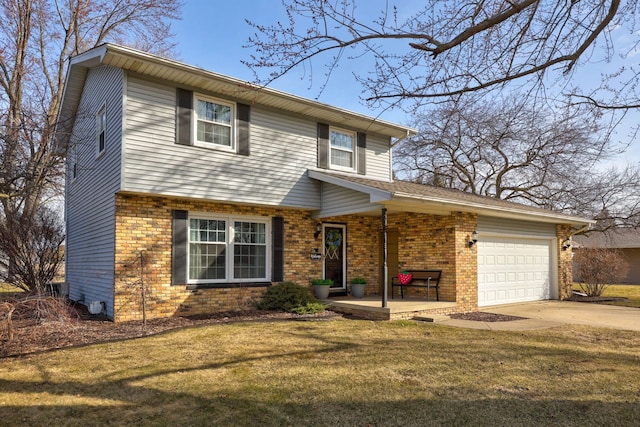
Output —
(342, 169)
(215, 147)
(195, 287)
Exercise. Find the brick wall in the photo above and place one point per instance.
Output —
(565, 260)
(432, 242)
(143, 233)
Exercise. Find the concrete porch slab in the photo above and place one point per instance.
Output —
(370, 307)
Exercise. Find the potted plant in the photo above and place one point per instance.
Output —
(357, 287)
(321, 287)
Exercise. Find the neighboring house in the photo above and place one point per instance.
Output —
(626, 240)
(203, 190)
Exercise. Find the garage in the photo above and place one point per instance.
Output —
(513, 270)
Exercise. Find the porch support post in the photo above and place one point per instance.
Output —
(385, 274)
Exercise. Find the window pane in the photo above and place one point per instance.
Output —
(249, 232)
(202, 230)
(342, 140)
(216, 134)
(249, 256)
(250, 262)
(207, 261)
(341, 158)
(213, 112)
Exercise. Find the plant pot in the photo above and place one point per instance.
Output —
(357, 290)
(321, 291)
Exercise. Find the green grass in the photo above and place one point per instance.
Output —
(332, 373)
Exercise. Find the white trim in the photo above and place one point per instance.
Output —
(376, 194)
(353, 151)
(229, 235)
(233, 125)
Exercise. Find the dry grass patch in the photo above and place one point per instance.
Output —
(8, 290)
(629, 294)
(339, 372)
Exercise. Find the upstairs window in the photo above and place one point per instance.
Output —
(342, 145)
(102, 129)
(214, 121)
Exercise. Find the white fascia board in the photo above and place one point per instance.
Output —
(496, 211)
(375, 195)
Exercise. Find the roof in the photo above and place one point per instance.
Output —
(403, 196)
(197, 78)
(620, 238)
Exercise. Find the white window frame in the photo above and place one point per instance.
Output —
(232, 123)
(229, 247)
(354, 158)
(101, 123)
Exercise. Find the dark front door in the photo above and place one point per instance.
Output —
(335, 263)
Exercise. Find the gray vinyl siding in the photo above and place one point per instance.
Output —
(283, 147)
(378, 158)
(90, 204)
(338, 200)
(504, 226)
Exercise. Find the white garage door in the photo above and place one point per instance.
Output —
(513, 270)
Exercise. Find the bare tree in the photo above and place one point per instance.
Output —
(514, 150)
(449, 48)
(38, 254)
(36, 39)
(597, 268)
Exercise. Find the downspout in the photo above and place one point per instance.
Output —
(385, 268)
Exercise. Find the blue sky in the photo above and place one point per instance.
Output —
(212, 33)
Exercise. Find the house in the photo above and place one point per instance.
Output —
(626, 240)
(199, 191)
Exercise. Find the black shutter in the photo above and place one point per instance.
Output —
(323, 146)
(244, 117)
(179, 248)
(362, 153)
(277, 272)
(184, 108)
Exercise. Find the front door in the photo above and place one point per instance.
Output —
(335, 261)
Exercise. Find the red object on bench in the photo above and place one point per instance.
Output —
(405, 278)
(429, 279)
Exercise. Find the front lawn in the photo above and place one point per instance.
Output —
(630, 292)
(337, 372)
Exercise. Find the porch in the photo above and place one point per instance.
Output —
(370, 307)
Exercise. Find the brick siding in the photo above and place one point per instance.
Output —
(143, 238)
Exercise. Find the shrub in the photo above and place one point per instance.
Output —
(291, 297)
(596, 268)
(309, 308)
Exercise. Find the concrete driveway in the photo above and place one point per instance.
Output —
(546, 314)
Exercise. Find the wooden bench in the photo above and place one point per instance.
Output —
(429, 279)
